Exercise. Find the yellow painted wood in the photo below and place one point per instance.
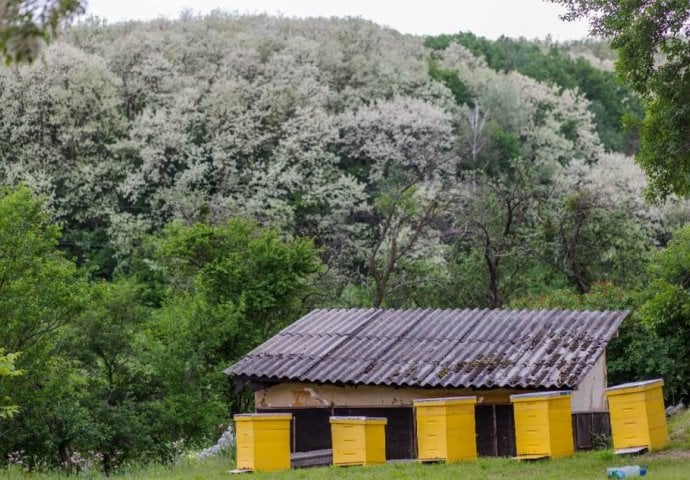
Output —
(543, 425)
(637, 415)
(358, 440)
(446, 429)
(263, 441)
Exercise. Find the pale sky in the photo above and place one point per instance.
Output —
(488, 18)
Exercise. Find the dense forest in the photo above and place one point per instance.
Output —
(174, 192)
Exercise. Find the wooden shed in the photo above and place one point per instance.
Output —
(376, 362)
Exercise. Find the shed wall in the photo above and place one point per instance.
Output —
(297, 395)
(590, 395)
(312, 404)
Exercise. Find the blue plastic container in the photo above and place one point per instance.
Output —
(629, 471)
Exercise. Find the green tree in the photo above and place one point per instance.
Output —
(651, 38)
(667, 308)
(7, 369)
(61, 121)
(25, 25)
(610, 101)
(118, 386)
(39, 287)
(40, 294)
(598, 227)
(494, 221)
(232, 286)
(403, 149)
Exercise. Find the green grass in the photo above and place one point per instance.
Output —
(670, 464)
(679, 430)
(591, 465)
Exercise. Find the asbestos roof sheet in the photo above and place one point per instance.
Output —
(435, 348)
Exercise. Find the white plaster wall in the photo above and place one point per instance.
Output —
(296, 395)
(590, 395)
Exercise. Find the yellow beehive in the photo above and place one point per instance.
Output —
(358, 440)
(446, 429)
(263, 441)
(637, 415)
(543, 425)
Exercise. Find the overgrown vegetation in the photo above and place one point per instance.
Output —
(611, 101)
(651, 41)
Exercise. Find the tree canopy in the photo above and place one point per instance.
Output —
(610, 100)
(651, 39)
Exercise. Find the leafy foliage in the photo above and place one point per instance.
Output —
(31, 263)
(610, 101)
(231, 286)
(40, 294)
(666, 307)
(651, 39)
(106, 371)
(26, 24)
(8, 369)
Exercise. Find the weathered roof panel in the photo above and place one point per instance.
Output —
(436, 348)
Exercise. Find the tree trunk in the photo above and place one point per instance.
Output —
(494, 294)
(379, 295)
(107, 464)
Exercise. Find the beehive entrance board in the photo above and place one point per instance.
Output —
(631, 451)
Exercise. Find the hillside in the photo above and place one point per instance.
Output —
(175, 192)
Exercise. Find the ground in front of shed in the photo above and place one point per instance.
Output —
(667, 464)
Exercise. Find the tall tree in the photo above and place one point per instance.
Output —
(550, 63)
(61, 121)
(667, 307)
(493, 219)
(39, 287)
(597, 227)
(119, 389)
(403, 150)
(40, 294)
(651, 38)
(232, 286)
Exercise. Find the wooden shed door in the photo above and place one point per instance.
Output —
(495, 427)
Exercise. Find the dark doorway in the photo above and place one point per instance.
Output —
(495, 429)
(591, 430)
(400, 435)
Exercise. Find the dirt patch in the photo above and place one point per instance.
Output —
(672, 453)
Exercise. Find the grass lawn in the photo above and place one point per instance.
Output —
(670, 464)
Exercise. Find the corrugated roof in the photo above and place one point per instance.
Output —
(435, 348)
